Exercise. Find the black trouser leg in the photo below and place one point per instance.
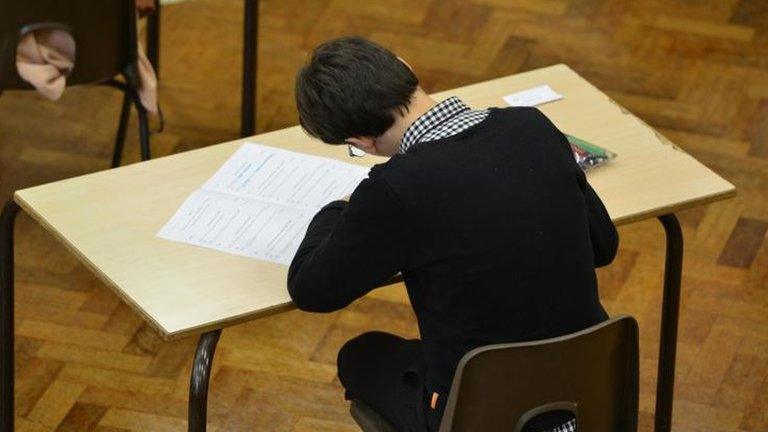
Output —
(198, 383)
(673, 267)
(7, 219)
(386, 372)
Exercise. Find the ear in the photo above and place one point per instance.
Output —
(364, 143)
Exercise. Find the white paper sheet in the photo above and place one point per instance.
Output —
(260, 202)
(533, 96)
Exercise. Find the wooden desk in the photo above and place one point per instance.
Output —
(109, 220)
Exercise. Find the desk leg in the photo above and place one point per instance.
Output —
(250, 58)
(7, 219)
(198, 383)
(673, 267)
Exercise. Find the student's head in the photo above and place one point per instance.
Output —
(353, 91)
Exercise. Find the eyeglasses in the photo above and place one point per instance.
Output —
(354, 151)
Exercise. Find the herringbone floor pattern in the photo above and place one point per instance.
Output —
(696, 70)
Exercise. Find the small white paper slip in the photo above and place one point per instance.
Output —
(533, 96)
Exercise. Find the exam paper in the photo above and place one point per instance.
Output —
(260, 202)
(533, 96)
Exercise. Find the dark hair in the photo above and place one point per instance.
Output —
(351, 87)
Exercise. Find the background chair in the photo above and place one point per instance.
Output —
(106, 46)
(592, 373)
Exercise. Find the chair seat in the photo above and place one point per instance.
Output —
(368, 419)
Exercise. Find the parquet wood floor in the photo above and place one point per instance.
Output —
(696, 70)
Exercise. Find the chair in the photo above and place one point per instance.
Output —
(592, 373)
(106, 46)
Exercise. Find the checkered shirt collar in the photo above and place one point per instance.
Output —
(436, 115)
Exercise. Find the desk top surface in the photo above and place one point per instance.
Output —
(109, 218)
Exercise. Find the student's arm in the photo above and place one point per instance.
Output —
(602, 231)
(349, 249)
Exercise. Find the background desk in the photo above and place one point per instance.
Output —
(109, 220)
(249, 58)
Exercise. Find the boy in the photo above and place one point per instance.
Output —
(485, 212)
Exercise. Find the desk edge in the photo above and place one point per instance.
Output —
(652, 213)
(162, 332)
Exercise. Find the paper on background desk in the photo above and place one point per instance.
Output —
(260, 202)
(533, 96)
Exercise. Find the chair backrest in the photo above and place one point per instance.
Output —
(104, 32)
(593, 373)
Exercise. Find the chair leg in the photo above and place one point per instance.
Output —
(131, 93)
(143, 129)
(143, 123)
(153, 38)
(125, 112)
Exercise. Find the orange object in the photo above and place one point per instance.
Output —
(433, 403)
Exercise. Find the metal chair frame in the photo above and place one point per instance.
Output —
(128, 86)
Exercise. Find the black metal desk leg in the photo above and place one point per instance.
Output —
(673, 267)
(7, 219)
(198, 383)
(250, 66)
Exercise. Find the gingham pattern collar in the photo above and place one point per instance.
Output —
(569, 426)
(437, 115)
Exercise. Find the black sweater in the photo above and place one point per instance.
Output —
(495, 230)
